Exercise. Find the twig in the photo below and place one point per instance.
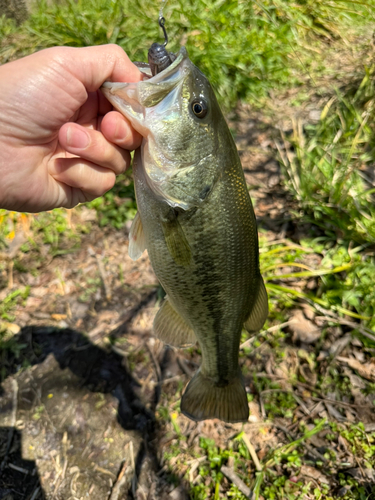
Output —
(104, 471)
(155, 361)
(305, 410)
(36, 493)
(284, 430)
(252, 451)
(12, 423)
(334, 413)
(18, 469)
(261, 404)
(194, 467)
(108, 294)
(269, 330)
(65, 456)
(169, 380)
(333, 318)
(340, 403)
(132, 465)
(121, 479)
(232, 476)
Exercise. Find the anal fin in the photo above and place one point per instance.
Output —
(171, 328)
(202, 399)
(137, 241)
(259, 312)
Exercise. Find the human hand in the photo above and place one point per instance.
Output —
(60, 143)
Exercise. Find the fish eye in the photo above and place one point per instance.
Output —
(199, 108)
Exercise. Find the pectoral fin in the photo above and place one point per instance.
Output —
(177, 243)
(137, 241)
(171, 328)
(259, 311)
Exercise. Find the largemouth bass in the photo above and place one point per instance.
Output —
(196, 220)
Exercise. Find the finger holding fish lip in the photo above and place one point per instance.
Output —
(92, 145)
(117, 129)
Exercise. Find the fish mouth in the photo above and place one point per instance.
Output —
(150, 91)
(169, 70)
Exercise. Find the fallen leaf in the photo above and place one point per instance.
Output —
(303, 329)
(366, 370)
(11, 327)
(308, 471)
(361, 474)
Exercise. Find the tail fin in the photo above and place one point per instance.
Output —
(202, 399)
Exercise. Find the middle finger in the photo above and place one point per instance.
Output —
(93, 146)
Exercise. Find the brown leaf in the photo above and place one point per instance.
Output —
(366, 370)
(308, 471)
(361, 474)
(303, 329)
(11, 327)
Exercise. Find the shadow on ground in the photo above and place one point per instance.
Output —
(88, 427)
(18, 477)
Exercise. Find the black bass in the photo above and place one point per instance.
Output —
(196, 220)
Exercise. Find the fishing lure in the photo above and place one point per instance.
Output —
(158, 57)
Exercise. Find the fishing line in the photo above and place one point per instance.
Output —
(163, 4)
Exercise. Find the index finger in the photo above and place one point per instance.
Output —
(95, 65)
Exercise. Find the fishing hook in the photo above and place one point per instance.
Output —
(161, 24)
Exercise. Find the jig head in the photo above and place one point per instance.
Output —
(158, 56)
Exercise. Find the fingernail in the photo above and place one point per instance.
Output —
(77, 138)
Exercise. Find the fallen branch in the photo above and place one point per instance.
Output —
(232, 476)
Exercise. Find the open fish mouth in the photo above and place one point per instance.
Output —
(151, 90)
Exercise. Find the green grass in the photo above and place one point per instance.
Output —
(118, 205)
(243, 47)
(344, 274)
(330, 170)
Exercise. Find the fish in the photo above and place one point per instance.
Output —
(196, 220)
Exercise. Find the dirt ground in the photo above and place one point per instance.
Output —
(81, 418)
